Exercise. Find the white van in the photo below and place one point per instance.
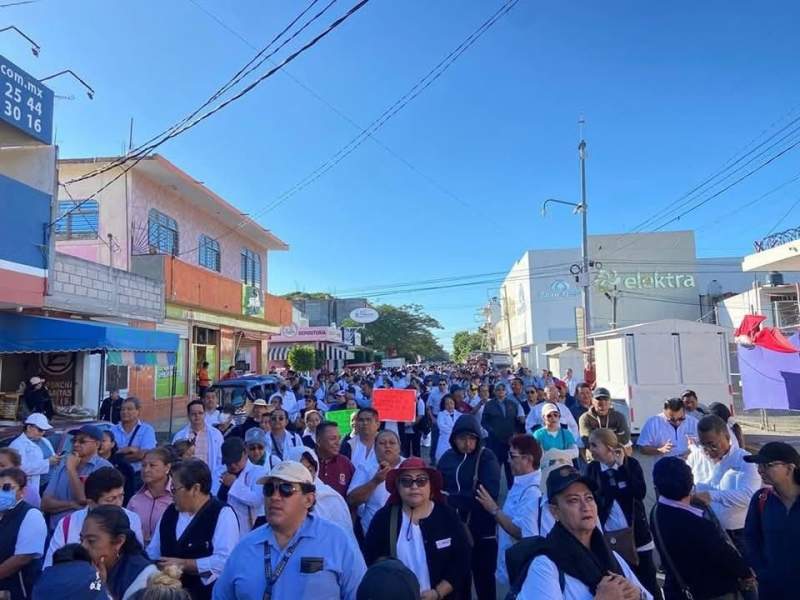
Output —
(643, 365)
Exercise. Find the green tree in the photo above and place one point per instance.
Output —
(465, 342)
(404, 331)
(302, 358)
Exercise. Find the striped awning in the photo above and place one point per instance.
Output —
(330, 351)
(278, 352)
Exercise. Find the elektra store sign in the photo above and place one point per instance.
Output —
(607, 280)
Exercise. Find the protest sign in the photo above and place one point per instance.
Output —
(395, 405)
(341, 418)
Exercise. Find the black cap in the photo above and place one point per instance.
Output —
(601, 392)
(775, 451)
(232, 450)
(561, 478)
(388, 579)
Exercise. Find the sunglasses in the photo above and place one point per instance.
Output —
(285, 489)
(7, 487)
(277, 418)
(408, 482)
(531, 392)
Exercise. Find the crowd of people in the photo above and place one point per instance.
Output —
(505, 482)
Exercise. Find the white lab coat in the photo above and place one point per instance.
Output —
(33, 461)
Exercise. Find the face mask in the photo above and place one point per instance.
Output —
(7, 499)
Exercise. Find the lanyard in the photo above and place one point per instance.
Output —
(276, 449)
(272, 578)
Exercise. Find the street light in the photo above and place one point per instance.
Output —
(89, 90)
(35, 48)
(582, 207)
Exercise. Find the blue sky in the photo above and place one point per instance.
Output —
(671, 90)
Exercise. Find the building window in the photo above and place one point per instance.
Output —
(77, 219)
(162, 233)
(251, 267)
(209, 256)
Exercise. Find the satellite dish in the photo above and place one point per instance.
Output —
(365, 314)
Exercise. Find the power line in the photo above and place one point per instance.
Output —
(238, 95)
(430, 179)
(421, 85)
(243, 72)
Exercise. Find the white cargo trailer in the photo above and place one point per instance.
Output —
(643, 365)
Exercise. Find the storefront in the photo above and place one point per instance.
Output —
(80, 360)
(332, 352)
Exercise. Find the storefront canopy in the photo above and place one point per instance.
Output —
(28, 333)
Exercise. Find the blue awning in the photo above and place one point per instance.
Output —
(28, 333)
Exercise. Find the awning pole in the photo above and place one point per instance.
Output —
(102, 379)
(172, 395)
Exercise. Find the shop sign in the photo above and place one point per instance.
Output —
(252, 301)
(58, 369)
(606, 280)
(25, 104)
(559, 289)
(365, 314)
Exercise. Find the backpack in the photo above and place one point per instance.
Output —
(519, 557)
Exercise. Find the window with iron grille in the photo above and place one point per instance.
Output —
(209, 256)
(251, 267)
(162, 233)
(77, 219)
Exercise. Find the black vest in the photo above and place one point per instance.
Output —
(21, 582)
(196, 542)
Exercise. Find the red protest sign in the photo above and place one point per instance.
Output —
(395, 405)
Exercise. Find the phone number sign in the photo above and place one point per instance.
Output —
(25, 103)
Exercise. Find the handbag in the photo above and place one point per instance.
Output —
(623, 543)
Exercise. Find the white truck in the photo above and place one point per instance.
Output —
(643, 365)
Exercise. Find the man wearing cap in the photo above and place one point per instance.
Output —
(235, 485)
(692, 405)
(296, 554)
(37, 399)
(723, 479)
(772, 527)
(257, 411)
(65, 490)
(206, 441)
(574, 561)
(33, 461)
(500, 417)
(668, 433)
(255, 442)
(602, 415)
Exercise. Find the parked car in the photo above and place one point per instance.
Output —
(58, 436)
(237, 392)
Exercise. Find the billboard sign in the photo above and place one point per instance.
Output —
(26, 104)
(252, 302)
(365, 314)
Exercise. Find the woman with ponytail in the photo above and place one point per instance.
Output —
(116, 552)
(164, 585)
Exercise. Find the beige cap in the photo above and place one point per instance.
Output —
(290, 471)
(548, 408)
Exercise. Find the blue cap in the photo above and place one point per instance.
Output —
(69, 581)
(93, 431)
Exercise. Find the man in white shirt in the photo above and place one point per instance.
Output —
(236, 484)
(211, 405)
(206, 440)
(103, 487)
(722, 479)
(33, 461)
(669, 433)
(362, 445)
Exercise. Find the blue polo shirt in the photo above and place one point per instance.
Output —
(58, 486)
(323, 548)
(143, 438)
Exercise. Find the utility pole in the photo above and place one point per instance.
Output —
(508, 323)
(587, 290)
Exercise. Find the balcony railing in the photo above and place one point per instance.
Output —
(777, 239)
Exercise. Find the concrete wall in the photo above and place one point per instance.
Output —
(83, 286)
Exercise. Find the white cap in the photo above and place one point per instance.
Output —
(38, 420)
(548, 408)
(260, 402)
(290, 471)
(36, 380)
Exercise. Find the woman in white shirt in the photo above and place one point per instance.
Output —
(446, 419)
(519, 516)
(279, 440)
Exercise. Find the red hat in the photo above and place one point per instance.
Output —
(414, 464)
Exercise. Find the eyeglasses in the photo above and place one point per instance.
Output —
(285, 489)
(676, 420)
(408, 482)
(553, 415)
(8, 487)
(277, 418)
